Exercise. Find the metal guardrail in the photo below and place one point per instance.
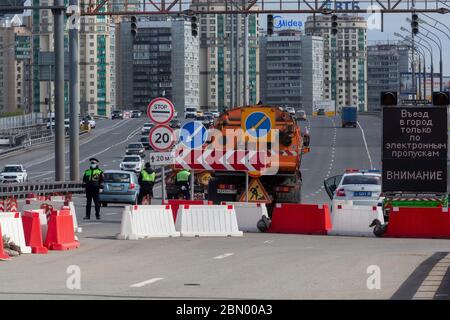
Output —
(20, 190)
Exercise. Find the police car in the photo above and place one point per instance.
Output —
(359, 187)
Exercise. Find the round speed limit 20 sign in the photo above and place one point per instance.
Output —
(161, 138)
(160, 110)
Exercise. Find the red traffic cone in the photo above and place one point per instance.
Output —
(60, 233)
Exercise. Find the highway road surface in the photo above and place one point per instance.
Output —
(260, 266)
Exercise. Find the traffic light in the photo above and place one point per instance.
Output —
(134, 26)
(415, 23)
(440, 98)
(334, 24)
(270, 24)
(194, 26)
(388, 98)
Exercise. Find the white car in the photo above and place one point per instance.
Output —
(291, 110)
(132, 163)
(147, 127)
(190, 113)
(215, 113)
(13, 173)
(360, 187)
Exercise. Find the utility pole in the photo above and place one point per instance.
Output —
(74, 94)
(58, 18)
(232, 65)
(245, 75)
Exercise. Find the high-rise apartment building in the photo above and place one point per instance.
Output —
(292, 69)
(216, 57)
(95, 61)
(15, 68)
(344, 58)
(165, 63)
(385, 62)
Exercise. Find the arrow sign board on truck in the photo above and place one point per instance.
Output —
(160, 110)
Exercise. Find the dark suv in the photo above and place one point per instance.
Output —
(117, 114)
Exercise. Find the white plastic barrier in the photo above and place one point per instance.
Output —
(248, 214)
(207, 221)
(31, 204)
(351, 220)
(12, 227)
(147, 221)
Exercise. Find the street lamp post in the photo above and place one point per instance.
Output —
(421, 46)
(429, 44)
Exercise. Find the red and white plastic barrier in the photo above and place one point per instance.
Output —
(34, 204)
(405, 222)
(31, 221)
(207, 221)
(147, 221)
(11, 223)
(354, 220)
(3, 255)
(176, 203)
(60, 234)
(300, 219)
(248, 214)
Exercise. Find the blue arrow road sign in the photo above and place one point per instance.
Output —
(193, 134)
(258, 124)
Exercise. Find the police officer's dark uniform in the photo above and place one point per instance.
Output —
(182, 179)
(146, 182)
(93, 179)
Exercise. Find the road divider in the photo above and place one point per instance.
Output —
(176, 203)
(31, 221)
(57, 202)
(354, 220)
(248, 215)
(301, 219)
(60, 233)
(11, 224)
(207, 221)
(3, 255)
(407, 222)
(147, 221)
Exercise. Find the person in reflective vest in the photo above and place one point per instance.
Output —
(93, 180)
(182, 181)
(146, 182)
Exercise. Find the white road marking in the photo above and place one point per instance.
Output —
(144, 283)
(110, 214)
(89, 224)
(367, 148)
(269, 241)
(223, 256)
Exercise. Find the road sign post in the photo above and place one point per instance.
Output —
(163, 182)
(161, 137)
(160, 110)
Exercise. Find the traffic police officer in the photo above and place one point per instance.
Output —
(146, 182)
(93, 179)
(182, 181)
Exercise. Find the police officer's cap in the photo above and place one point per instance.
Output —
(147, 165)
(94, 160)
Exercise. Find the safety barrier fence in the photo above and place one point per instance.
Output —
(21, 190)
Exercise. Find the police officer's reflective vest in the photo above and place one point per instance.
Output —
(183, 176)
(148, 177)
(93, 175)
